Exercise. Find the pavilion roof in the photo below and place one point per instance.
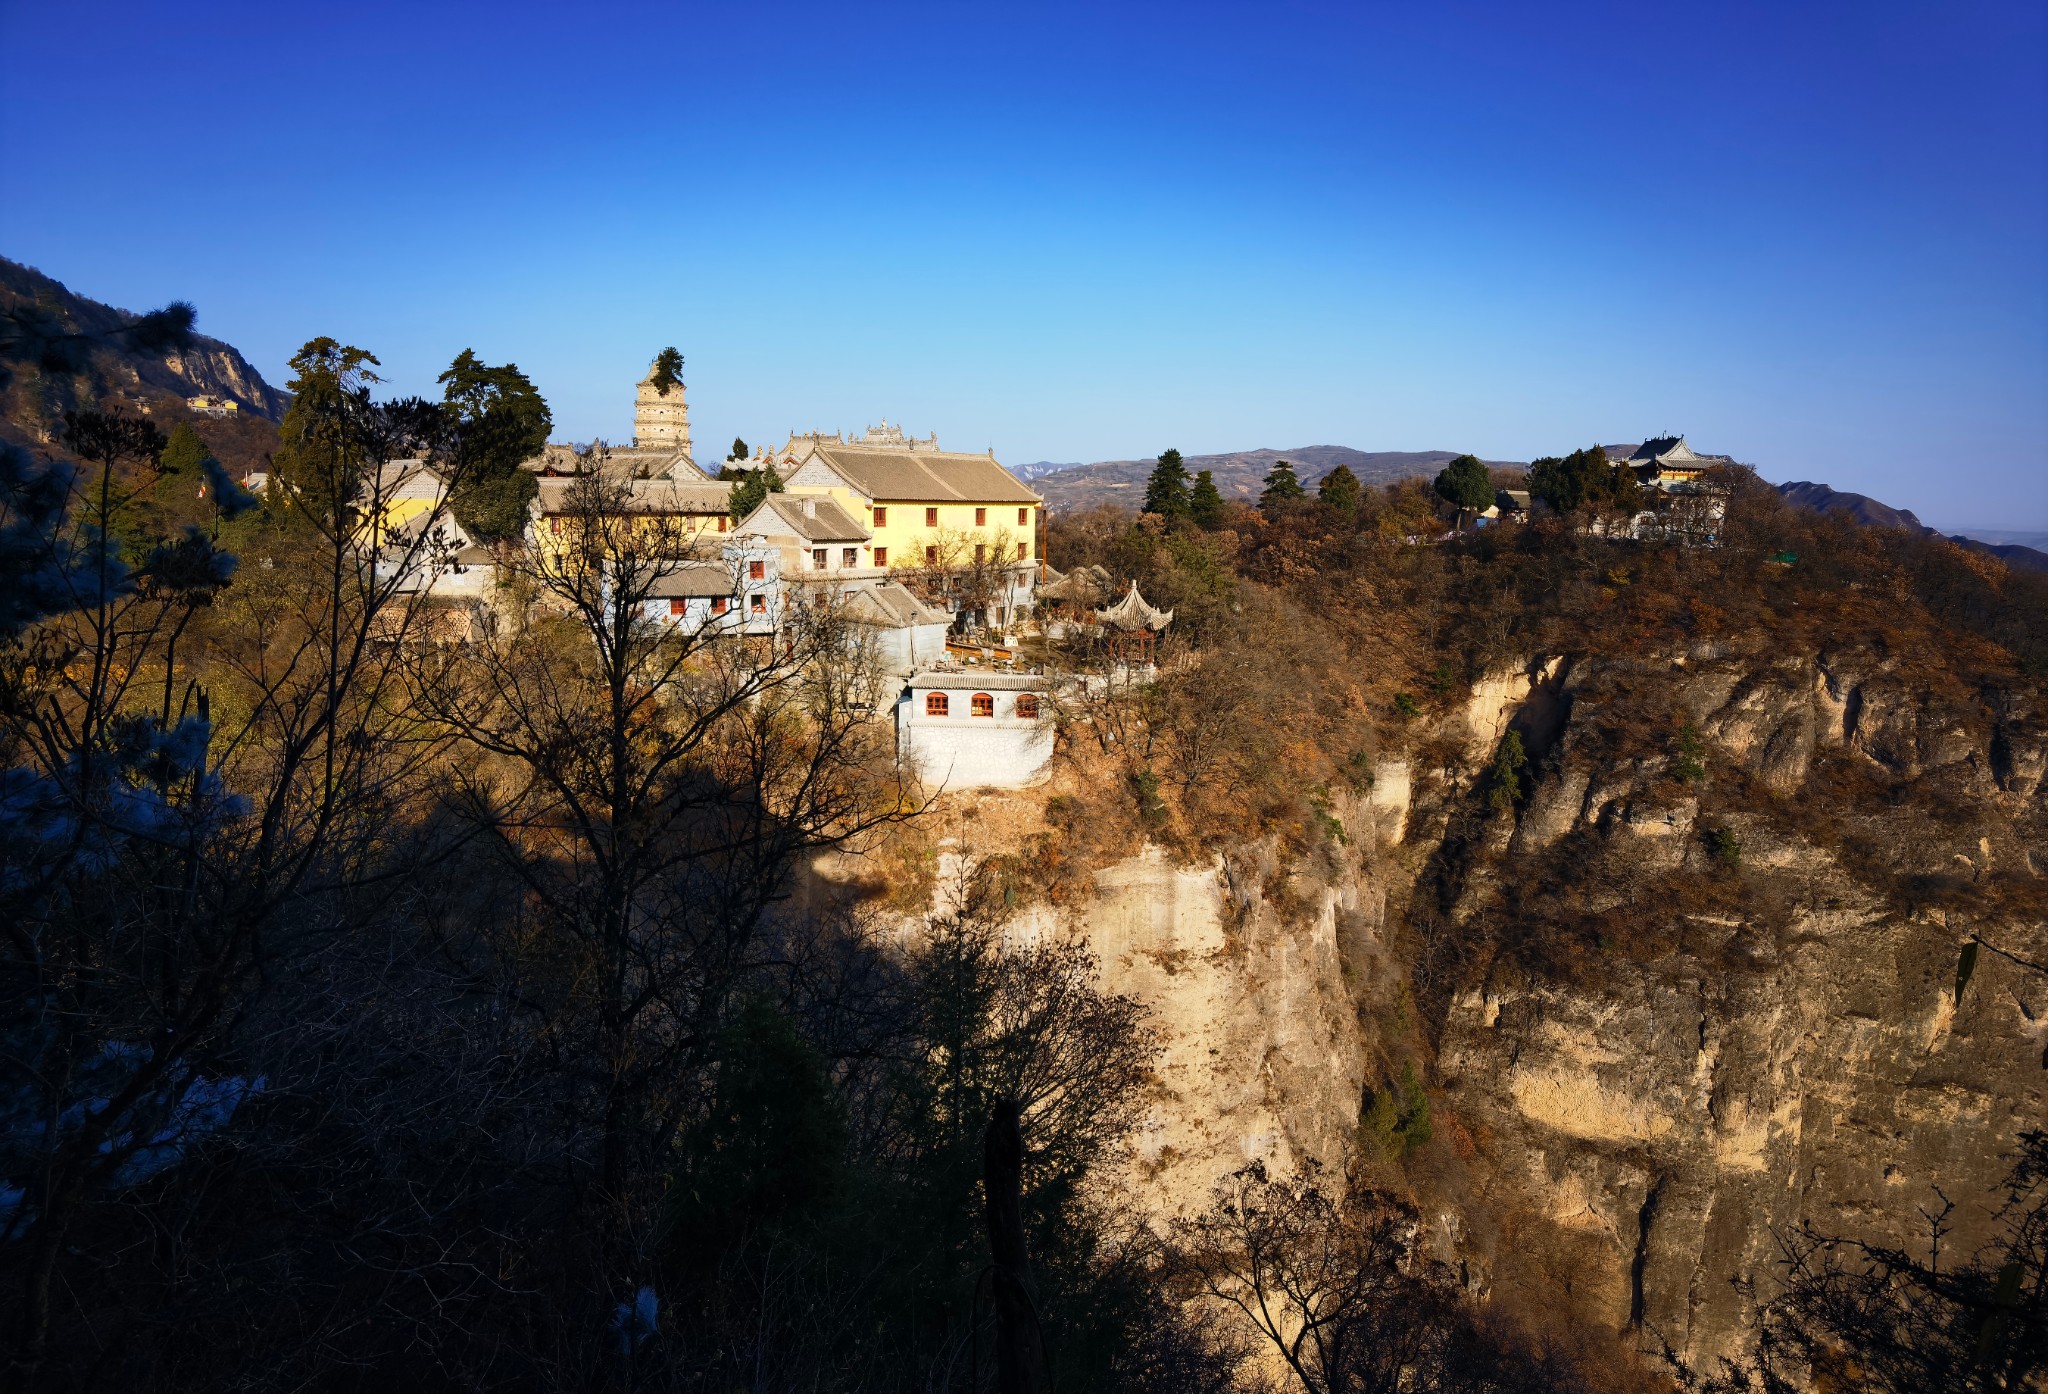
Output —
(1084, 585)
(1132, 613)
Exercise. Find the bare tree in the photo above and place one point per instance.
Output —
(655, 787)
(971, 572)
(1340, 1293)
(1850, 1314)
(161, 834)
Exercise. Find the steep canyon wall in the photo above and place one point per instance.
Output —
(1694, 988)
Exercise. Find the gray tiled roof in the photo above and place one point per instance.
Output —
(940, 476)
(980, 682)
(893, 605)
(813, 517)
(648, 496)
(695, 580)
(619, 462)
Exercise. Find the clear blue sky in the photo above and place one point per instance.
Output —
(1812, 236)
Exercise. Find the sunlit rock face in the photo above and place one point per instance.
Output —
(1621, 1137)
(1652, 1120)
(1262, 1056)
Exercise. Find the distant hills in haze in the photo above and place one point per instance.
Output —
(32, 407)
(1238, 475)
(1869, 512)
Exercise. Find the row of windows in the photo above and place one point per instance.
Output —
(758, 605)
(931, 517)
(980, 704)
(555, 524)
(850, 556)
(931, 554)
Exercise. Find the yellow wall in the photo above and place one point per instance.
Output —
(906, 534)
(399, 513)
(691, 528)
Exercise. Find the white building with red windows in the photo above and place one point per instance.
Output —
(971, 730)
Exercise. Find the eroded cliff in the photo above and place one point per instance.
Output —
(1687, 983)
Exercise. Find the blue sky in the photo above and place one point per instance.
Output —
(1813, 236)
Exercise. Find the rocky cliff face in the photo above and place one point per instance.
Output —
(1697, 987)
(1787, 1050)
(209, 367)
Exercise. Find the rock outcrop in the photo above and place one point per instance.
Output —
(1764, 869)
(208, 367)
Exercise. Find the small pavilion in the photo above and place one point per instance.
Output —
(1133, 627)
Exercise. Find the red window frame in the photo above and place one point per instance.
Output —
(935, 704)
(849, 556)
(719, 604)
(1023, 517)
(760, 605)
(757, 571)
(982, 704)
(677, 606)
(881, 516)
(881, 556)
(981, 517)
(931, 517)
(1027, 707)
(931, 556)
(817, 558)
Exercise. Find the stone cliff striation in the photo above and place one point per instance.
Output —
(1689, 986)
(120, 377)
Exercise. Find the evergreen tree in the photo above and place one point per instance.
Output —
(1465, 482)
(1340, 490)
(1205, 504)
(739, 449)
(751, 488)
(1166, 492)
(184, 452)
(668, 370)
(1584, 478)
(1282, 488)
(329, 435)
(498, 421)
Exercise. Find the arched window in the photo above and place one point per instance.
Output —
(1027, 707)
(935, 704)
(981, 704)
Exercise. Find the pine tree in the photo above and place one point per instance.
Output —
(1205, 504)
(1282, 488)
(739, 449)
(499, 421)
(327, 440)
(1340, 490)
(1465, 482)
(752, 487)
(1166, 492)
(185, 451)
(668, 370)
(1584, 477)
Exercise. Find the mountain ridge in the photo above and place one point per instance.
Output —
(1871, 513)
(118, 376)
(1238, 474)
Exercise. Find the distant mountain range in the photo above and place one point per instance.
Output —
(1239, 475)
(1869, 512)
(31, 407)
